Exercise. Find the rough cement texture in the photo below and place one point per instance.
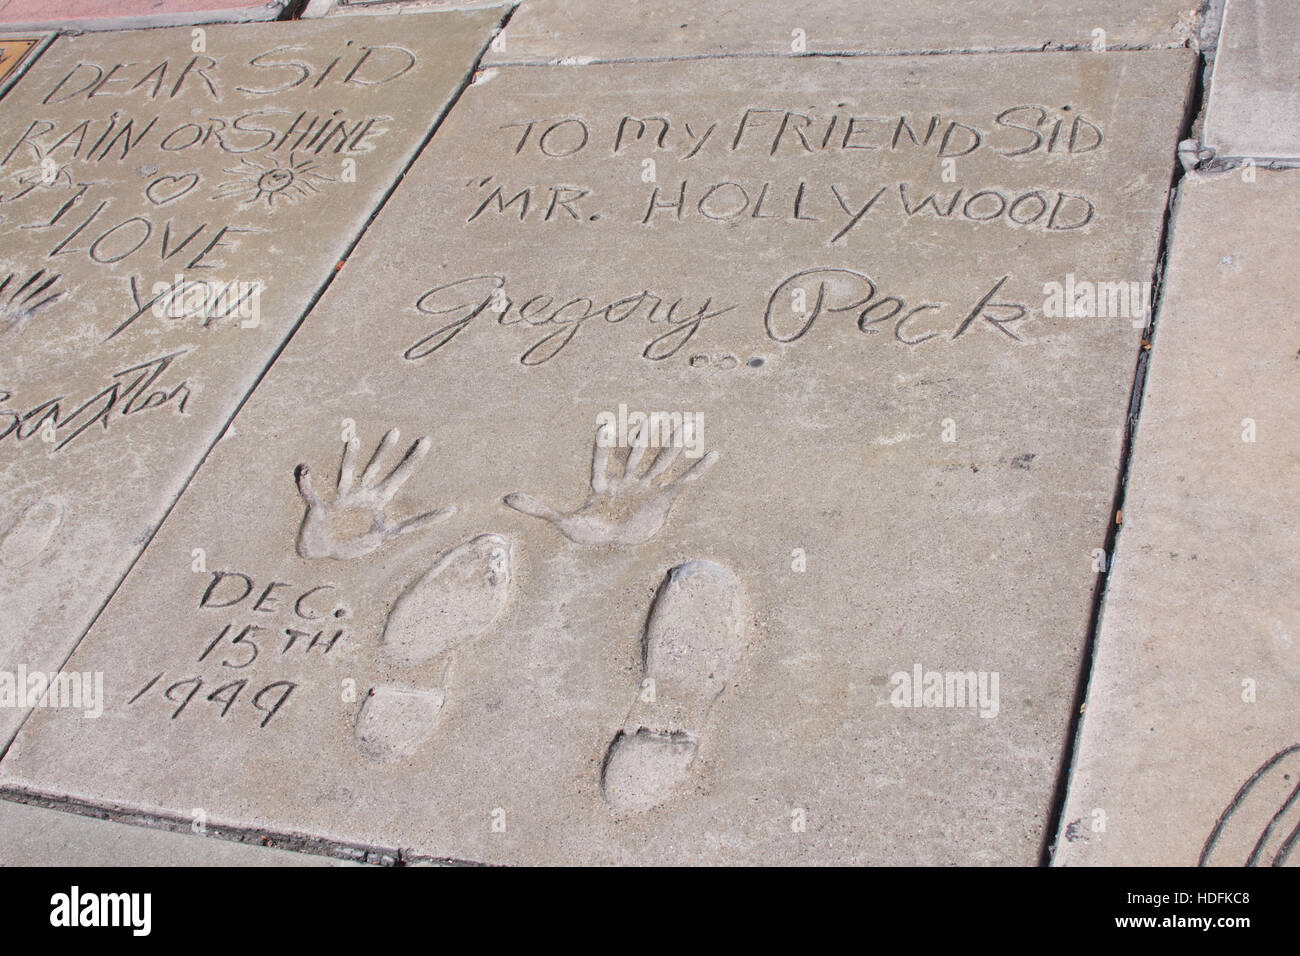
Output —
(578, 31)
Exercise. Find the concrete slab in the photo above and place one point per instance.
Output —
(34, 836)
(166, 217)
(1188, 744)
(87, 15)
(522, 635)
(1254, 108)
(578, 31)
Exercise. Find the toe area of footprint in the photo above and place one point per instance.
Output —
(395, 721)
(452, 603)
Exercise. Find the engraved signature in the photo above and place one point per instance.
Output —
(129, 391)
(793, 307)
(464, 300)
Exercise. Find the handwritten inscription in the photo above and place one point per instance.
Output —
(845, 290)
(263, 622)
(119, 135)
(839, 206)
(273, 71)
(1019, 130)
(731, 201)
(560, 316)
(841, 203)
(267, 700)
(845, 207)
(305, 631)
(281, 152)
(156, 173)
(128, 392)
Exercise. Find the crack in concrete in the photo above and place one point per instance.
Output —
(1195, 106)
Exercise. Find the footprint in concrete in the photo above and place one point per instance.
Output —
(440, 612)
(452, 603)
(693, 643)
(29, 532)
(1261, 824)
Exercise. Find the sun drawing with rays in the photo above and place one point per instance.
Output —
(275, 180)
